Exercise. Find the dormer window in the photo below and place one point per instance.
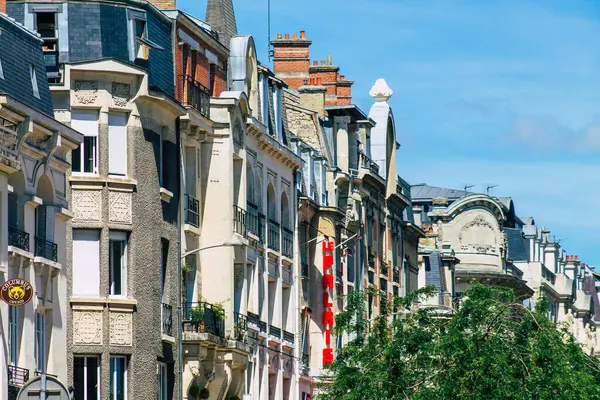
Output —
(47, 27)
(139, 44)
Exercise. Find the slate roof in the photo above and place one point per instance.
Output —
(406, 189)
(20, 48)
(424, 192)
(221, 17)
(516, 244)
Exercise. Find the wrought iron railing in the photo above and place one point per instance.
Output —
(8, 138)
(274, 236)
(262, 326)
(17, 376)
(288, 337)
(241, 326)
(192, 211)
(18, 238)
(396, 275)
(167, 319)
(46, 249)
(252, 219)
(194, 94)
(288, 243)
(239, 221)
(304, 364)
(203, 317)
(274, 331)
(253, 319)
(384, 270)
(262, 224)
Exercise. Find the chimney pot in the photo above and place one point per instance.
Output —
(305, 82)
(319, 81)
(302, 35)
(328, 60)
(287, 35)
(295, 36)
(315, 63)
(279, 36)
(322, 62)
(342, 77)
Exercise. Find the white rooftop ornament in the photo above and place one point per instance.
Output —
(381, 91)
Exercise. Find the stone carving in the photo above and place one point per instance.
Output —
(120, 328)
(440, 201)
(121, 94)
(87, 205)
(87, 327)
(237, 131)
(86, 92)
(381, 91)
(119, 207)
(477, 221)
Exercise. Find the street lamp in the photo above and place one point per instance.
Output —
(227, 243)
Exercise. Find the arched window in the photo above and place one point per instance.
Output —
(285, 211)
(250, 185)
(271, 204)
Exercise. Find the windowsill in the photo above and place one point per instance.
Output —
(166, 195)
(167, 338)
(120, 303)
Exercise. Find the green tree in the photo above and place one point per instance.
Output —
(492, 347)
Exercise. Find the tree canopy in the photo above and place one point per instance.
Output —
(491, 347)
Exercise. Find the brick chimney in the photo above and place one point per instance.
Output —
(312, 95)
(162, 4)
(344, 90)
(328, 74)
(291, 59)
(3, 6)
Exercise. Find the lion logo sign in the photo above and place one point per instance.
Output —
(16, 292)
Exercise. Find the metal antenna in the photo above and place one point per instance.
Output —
(269, 29)
(467, 187)
(487, 190)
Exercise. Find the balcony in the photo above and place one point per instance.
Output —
(204, 317)
(18, 238)
(262, 325)
(396, 275)
(192, 211)
(17, 376)
(255, 221)
(194, 94)
(275, 331)
(288, 243)
(253, 319)
(288, 337)
(384, 270)
(239, 221)
(46, 249)
(274, 236)
(8, 145)
(167, 319)
(240, 328)
(305, 364)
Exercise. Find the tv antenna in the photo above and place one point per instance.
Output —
(487, 190)
(269, 29)
(467, 187)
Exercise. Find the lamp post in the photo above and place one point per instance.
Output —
(227, 243)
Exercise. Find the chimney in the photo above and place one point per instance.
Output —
(291, 58)
(328, 60)
(312, 96)
(220, 15)
(3, 6)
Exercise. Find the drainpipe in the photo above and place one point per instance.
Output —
(179, 261)
(402, 255)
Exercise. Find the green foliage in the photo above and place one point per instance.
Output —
(491, 348)
(197, 315)
(219, 311)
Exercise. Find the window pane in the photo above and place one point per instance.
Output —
(116, 263)
(89, 150)
(76, 159)
(46, 24)
(13, 335)
(92, 378)
(78, 377)
(117, 378)
(140, 27)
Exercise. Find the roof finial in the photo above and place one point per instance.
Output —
(381, 91)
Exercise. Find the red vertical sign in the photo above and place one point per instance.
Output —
(328, 247)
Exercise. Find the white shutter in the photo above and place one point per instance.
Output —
(85, 121)
(86, 262)
(117, 143)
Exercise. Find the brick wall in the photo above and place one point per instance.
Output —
(163, 4)
(3, 6)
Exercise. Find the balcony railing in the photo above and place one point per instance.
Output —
(17, 376)
(167, 319)
(241, 326)
(253, 318)
(288, 337)
(274, 236)
(18, 238)
(288, 243)
(304, 364)
(262, 325)
(384, 269)
(396, 275)
(203, 317)
(192, 211)
(275, 331)
(46, 249)
(252, 224)
(239, 221)
(548, 275)
(8, 138)
(194, 94)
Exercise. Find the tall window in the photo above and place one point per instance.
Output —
(118, 263)
(118, 378)
(141, 50)
(46, 26)
(13, 334)
(86, 262)
(164, 256)
(117, 144)
(86, 377)
(85, 157)
(40, 341)
(162, 382)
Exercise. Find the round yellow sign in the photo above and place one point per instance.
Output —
(16, 292)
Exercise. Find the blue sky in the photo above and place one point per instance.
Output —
(485, 92)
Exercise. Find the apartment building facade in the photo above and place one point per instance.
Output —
(34, 160)
(110, 66)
